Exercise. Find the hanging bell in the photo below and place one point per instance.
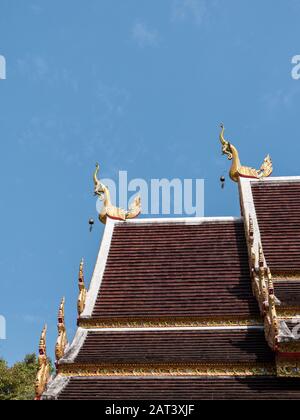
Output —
(222, 180)
(91, 223)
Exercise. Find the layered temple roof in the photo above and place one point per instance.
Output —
(193, 308)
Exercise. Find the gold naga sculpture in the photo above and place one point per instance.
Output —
(43, 373)
(82, 289)
(62, 341)
(108, 209)
(237, 170)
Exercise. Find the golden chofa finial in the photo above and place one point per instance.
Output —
(108, 209)
(43, 374)
(237, 170)
(62, 341)
(82, 289)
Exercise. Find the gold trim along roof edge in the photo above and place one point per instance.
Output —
(95, 323)
(150, 370)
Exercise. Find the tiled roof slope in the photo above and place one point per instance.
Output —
(177, 270)
(213, 388)
(288, 292)
(277, 206)
(176, 346)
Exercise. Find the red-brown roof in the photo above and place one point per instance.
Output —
(213, 388)
(288, 292)
(175, 270)
(175, 346)
(277, 206)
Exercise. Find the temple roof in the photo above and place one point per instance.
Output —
(185, 388)
(190, 308)
(177, 269)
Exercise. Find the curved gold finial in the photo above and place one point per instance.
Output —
(43, 374)
(108, 209)
(237, 170)
(82, 289)
(96, 180)
(62, 341)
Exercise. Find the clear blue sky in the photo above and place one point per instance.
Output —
(138, 85)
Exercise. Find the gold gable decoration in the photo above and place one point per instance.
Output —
(237, 170)
(109, 210)
(43, 374)
(82, 289)
(62, 341)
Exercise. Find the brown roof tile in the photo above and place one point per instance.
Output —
(177, 269)
(288, 292)
(277, 207)
(175, 346)
(252, 388)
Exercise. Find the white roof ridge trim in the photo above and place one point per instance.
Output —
(274, 179)
(187, 220)
(214, 328)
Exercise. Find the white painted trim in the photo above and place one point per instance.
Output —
(275, 179)
(248, 208)
(136, 329)
(99, 269)
(56, 387)
(183, 220)
(75, 347)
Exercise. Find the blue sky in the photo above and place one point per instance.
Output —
(138, 85)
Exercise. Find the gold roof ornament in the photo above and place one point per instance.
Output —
(62, 341)
(43, 374)
(237, 170)
(251, 230)
(82, 289)
(108, 209)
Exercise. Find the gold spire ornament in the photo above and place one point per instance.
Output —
(108, 209)
(82, 289)
(237, 170)
(62, 341)
(43, 374)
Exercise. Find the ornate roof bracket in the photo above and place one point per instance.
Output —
(251, 230)
(109, 210)
(82, 289)
(262, 280)
(271, 318)
(237, 170)
(62, 342)
(43, 374)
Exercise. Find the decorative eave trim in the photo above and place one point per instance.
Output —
(169, 370)
(287, 277)
(288, 367)
(164, 323)
(205, 328)
(99, 268)
(286, 313)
